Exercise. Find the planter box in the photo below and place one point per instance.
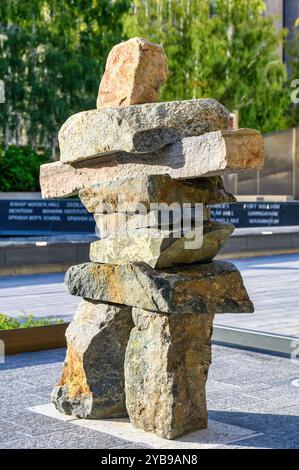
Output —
(35, 338)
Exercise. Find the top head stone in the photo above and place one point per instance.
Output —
(135, 70)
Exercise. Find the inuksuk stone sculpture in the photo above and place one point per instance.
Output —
(140, 341)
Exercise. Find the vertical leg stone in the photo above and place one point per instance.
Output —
(166, 367)
(92, 381)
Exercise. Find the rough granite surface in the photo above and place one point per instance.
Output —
(92, 380)
(137, 129)
(198, 288)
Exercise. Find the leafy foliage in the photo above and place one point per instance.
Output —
(222, 49)
(26, 321)
(8, 323)
(53, 54)
(19, 168)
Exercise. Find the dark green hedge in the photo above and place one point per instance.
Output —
(19, 168)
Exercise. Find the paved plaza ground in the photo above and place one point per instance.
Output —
(249, 390)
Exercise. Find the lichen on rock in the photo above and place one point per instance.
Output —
(166, 368)
(92, 380)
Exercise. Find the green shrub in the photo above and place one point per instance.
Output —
(25, 321)
(8, 323)
(19, 168)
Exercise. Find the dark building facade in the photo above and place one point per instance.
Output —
(290, 12)
(280, 174)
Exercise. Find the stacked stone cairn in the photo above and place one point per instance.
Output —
(140, 341)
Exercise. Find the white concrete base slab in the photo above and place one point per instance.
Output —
(215, 435)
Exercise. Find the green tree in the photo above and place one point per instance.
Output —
(19, 168)
(52, 56)
(226, 49)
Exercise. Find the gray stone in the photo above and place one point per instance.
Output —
(129, 194)
(212, 154)
(198, 288)
(137, 128)
(163, 248)
(166, 367)
(92, 380)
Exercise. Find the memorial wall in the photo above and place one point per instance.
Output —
(61, 216)
(38, 217)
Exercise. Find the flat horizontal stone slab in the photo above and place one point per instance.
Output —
(201, 288)
(215, 153)
(217, 434)
(127, 194)
(139, 128)
(163, 248)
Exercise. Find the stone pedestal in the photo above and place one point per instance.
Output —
(166, 367)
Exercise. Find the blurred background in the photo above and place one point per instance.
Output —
(244, 53)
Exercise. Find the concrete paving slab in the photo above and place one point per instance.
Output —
(235, 387)
(216, 433)
(272, 283)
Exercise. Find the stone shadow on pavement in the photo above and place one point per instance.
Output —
(280, 431)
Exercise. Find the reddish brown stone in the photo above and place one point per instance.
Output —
(135, 70)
